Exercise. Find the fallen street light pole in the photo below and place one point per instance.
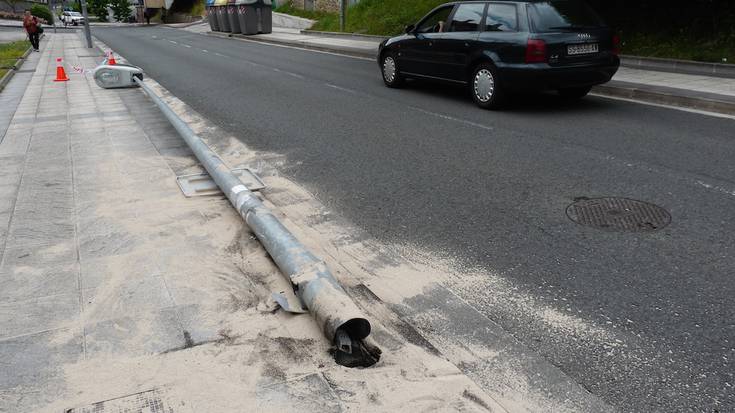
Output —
(336, 314)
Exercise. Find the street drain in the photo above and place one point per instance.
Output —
(618, 214)
(151, 401)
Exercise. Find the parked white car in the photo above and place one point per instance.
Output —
(72, 17)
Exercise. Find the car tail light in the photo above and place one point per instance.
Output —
(536, 51)
(616, 45)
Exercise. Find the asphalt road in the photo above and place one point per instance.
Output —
(423, 166)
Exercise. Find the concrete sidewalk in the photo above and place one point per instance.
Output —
(114, 287)
(710, 93)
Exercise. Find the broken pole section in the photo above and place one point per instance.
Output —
(336, 314)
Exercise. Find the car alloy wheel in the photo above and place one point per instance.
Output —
(484, 85)
(389, 69)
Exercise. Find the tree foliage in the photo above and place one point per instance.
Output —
(120, 9)
(42, 12)
(98, 8)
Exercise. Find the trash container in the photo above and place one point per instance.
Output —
(255, 16)
(224, 22)
(265, 17)
(247, 16)
(232, 16)
(212, 16)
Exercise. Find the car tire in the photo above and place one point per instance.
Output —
(575, 92)
(485, 87)
(389, 69)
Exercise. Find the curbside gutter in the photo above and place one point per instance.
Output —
(11, 72)
(668, 96)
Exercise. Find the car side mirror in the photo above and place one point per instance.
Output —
(410, 28)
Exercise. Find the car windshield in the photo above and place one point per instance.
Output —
(557, 15)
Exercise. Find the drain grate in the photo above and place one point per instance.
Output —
(618, 214)
(151, 401)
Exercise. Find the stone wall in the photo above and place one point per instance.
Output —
(321, 5)
(326, 5)
(19, 6)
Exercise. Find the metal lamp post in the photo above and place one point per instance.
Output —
(87, 33)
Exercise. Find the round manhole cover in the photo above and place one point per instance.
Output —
(618, 214)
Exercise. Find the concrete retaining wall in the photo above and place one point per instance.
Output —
(291, 22)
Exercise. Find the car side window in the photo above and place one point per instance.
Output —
(467, 18)
(501, 18)
(435, 22)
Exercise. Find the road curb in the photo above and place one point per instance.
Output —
(668, 96)
(11, 72)
(687, 67)
(349, 36)
(346, 50)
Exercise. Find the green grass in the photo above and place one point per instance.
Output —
(313, 15)
(380, 17)
(10, 52)
(198, 9)
(718, 49)
(390, 17)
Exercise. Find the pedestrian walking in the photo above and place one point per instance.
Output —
(33, 28)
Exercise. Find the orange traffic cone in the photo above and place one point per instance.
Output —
(111, 59)
(60, 73)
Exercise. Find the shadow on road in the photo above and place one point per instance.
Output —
(531, 103)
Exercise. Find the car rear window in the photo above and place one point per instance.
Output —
(556, 15)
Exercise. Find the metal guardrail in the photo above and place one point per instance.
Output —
(336, 314)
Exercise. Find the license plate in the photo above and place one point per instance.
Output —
(577, 49)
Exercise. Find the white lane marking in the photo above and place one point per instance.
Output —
(205, 51)
(171, 41)
(452, 118)
(677, 175)
(344, 89)
(187, 46)
(303, 48)
(659, 105)
(219, 54)
(296, 75)
(683, 176)
(716, 188)
(154, 36)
